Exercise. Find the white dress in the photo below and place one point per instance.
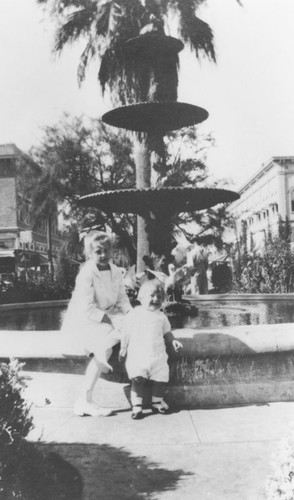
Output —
(143, 337)
(96, 293)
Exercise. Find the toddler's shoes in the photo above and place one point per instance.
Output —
(137, 415)
(160, 407)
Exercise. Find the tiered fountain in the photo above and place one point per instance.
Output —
(239, 365)
(153, 59)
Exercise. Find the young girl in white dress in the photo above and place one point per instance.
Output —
(144, 332)
(93, 315)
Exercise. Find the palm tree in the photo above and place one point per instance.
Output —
(45, 194)
(106, 25)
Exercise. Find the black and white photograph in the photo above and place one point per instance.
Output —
(146, 250)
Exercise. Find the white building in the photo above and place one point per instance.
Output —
(266, 197)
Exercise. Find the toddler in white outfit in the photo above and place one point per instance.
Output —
(145, 329)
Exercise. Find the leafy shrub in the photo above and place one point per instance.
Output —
(272, 271)
(25, 473)
(15, 422)
(45, 288)
(65, 274)
(280, 485)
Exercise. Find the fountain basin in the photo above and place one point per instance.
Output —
(214, 311)
(238, 365)
(241, 340)
(218, 366)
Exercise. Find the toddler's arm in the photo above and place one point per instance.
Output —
(177, 345)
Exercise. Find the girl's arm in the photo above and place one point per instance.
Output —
(125, 338)
(84, 297)
(124, 342)
(123, 302)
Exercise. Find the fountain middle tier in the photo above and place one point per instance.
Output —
(164, 199)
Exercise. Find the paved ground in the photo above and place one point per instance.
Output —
(216, 454)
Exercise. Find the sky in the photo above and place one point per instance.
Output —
(249, 93)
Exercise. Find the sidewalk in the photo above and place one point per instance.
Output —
(215, 454)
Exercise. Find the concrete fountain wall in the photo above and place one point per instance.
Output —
(217, 366)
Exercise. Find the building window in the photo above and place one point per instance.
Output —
(292, 201)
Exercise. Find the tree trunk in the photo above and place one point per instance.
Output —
(124, 237)
(142, 161)
(157, 159)
(148, 152)
(49, 246)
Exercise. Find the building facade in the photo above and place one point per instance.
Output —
(265, 199)
(23, 248)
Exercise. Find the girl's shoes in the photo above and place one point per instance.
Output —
(84, 408)
(105, 366)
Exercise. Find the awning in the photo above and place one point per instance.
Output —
(43, 260)
(7, 253)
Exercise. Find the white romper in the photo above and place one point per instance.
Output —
(143, 337)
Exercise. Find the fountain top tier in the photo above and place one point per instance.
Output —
(155, 117)
(152, 43)
(152, 60)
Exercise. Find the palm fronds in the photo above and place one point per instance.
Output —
(78, 24)
(106, 25)
(194, 31)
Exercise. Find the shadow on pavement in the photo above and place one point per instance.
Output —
(34, 474)
(110, 473)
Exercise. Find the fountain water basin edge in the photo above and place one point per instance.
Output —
(219, 366)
